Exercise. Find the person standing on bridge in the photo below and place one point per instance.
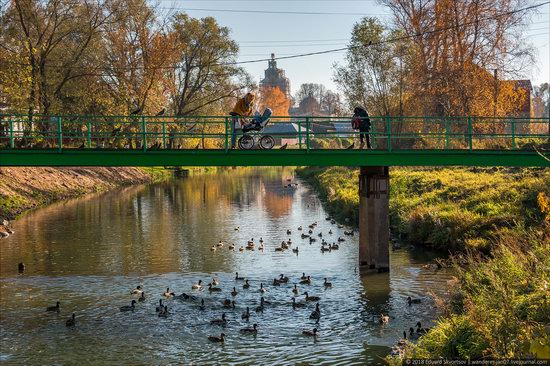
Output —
(243, 108)
(361, 122)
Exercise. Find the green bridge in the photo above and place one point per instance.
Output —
(286, 141)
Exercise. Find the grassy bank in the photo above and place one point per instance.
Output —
(22, 189)
(449, 208)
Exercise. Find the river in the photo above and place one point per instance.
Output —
(89, 253)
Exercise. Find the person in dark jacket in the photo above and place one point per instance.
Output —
(361, 121)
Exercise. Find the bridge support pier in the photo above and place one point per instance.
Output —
(374, 225)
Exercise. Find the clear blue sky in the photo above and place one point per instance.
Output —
(261, 34)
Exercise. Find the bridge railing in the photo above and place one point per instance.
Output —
(296, 132)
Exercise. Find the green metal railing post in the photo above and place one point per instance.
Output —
(226, 143)
(388, 129)
(144, 133)
(163, 135)
(12, 144)
(307, 134)
(89, 134)
(513, 134)
(447, 134)
(59, 135)
(300, 135)
(470, 133)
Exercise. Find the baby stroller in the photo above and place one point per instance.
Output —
(248, 142)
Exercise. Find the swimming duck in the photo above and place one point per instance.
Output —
(284, 245)
(340, 226)
(264, 301)
(421, 330)
(412, 335)
(213, 248)
(320, 235)
(282, 278)
(250, 330)
(237, 278)
(340, 239)
(53, 308)
(164, 313)
(202, 307)
(261, 247)
(262, 288)
(261, 239)
(334, 246)
(310, 333)
(160, 307)
(142, 297)
(213, 289)
(316, 314)
(197, 286)
(237, 228)
(295, 290)
(228, 304)
(288, 232)
(304, 277)
(220, 244)
(246, 285)
(412, 301)
(246, 315)
(231, 247)
(333, 221)
(215, 282)
(276, 282)
(304, 236)
(325, 249)
(311, 298)
(310, 231)
(136, 291)
(289, 242)
(234, 292)
(384, 319)
(312, 240)
(326, 283)
(220, 339)
(297, 304)
(306, 281)
(241, 249)
(167, 293)
(295, 250)
(222, 321)
(129, 307)
(71, 321)
(299, 228)
(311, 226)
(330, 232)
(279, 249)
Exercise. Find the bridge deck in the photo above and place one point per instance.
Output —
(321, 141)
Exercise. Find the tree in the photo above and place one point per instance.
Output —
(310, 90)
(274, 98)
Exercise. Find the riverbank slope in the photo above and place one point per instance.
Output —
(22, 189)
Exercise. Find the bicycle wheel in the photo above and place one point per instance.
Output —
(267, 142)
(246, 142)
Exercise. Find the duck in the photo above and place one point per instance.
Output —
(197, 286)
(340, 239)
(384, 319)
(213, 248)
(220, 244)
(327, 284)
(263, 301)
(299, 228)
(328, 218)
(340, 226)
(282, 278)
(262, 288)
(325, 248)
(129, 307)
(310, 333)
(311, 226)
(234, 292)
(316, 314)
(421, 330)
(202, 307)
(136, 291)
(246, 285)
(279, 249)
(306, 281)
(221, 320)
(311, 298)
(411, 301)
(246, 315)
(304, 236)
(164, 313)
(297, 304)
(71, 321)
(215, 282)
(213, 289)
(53, 308)
(312, 240)
(261, 240)
(237, 228)
(289, 242)
(160, 307)
(167, 293)
(412, 335)
(262, 305)
(142, 297)
(220, 339)
(310, 231)
(237, 278)
(288, 232)
(304, 277)
(229, 305)
(276, 282)
(284, 245)
(241, 249)
(295, 290)
(333, 221)
(330, 232)
(295, 250)
(231, 247)
(261, 247)
(334, 246)
(250, 330)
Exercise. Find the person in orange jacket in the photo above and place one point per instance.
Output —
(243, 108)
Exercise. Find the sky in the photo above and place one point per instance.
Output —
(260, 34)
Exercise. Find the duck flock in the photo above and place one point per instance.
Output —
(229, 302)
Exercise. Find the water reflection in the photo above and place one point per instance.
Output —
(88, 253)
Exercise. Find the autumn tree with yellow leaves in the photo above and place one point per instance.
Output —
(274, 98)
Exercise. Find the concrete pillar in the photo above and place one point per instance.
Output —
(374, 223)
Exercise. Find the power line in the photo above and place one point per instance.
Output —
(271, 11)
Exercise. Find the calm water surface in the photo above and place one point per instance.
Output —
(90, 252)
